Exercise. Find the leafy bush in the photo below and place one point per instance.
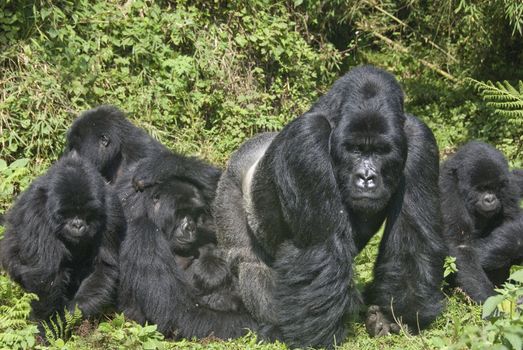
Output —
(15, 306)
(202, 76)
(200, 82)
(13, 179)
(504, 322)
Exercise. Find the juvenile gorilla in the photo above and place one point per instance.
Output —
(105, 137)
(62, 240)
(170, 246)
(294, 208)
(483, 223)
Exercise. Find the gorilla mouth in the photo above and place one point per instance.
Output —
(366, 196)
(488, 212)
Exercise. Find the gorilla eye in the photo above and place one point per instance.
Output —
(354, 148)
(382, 149)
(104, 140)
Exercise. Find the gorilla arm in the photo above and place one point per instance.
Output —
(409, 270)
(98, 290)
(313, 289)
(502, 247)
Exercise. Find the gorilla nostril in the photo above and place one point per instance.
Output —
(489, 199)
(371, 182)
(366, 179)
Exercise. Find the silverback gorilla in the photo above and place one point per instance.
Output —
(294, 208)
(62, 240)
(483, 223)
(165, 279)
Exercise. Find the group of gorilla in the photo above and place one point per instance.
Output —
(122, 223)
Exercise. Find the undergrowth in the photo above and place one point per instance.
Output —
(203, 76)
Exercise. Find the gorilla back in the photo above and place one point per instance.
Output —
(294, 208)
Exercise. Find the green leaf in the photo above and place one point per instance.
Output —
(19, 163)
(514, 340)
(491, 304)
(517, 276)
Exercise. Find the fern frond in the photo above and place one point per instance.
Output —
(61, 327)
(503, 97)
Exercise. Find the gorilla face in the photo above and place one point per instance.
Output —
(369, 153)
(177, 208)
(486, 183)
(77, 204)
(80, 225)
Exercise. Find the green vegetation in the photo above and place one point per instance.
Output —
(202, 76)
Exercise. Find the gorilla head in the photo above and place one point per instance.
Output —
(106, 138)
(177, 208)
(369, 146)
(77, 206)
(483, 179)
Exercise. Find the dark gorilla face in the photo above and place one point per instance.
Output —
(369, 153)
(95, 136)
(486, 181)
(76, 204)
(177, 208)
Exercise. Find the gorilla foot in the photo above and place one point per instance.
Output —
(378, 324)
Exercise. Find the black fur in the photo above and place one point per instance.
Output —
(104, 136)
(292, 212)
(62, 240)
(482, 219)
(179, 192)
(170, 275)
(517, 177)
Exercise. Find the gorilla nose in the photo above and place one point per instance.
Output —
(489, 199)
(366, 179)
(78, 225)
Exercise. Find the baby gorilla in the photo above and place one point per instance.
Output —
(62, 240)
(483, 224)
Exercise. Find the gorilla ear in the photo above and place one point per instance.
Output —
(104, 140)
(197, 202)
(73, 154)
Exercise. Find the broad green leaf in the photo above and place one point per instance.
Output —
(491, 304)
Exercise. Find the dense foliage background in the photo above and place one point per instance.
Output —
(202, 76)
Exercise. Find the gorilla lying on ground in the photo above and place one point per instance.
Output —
(294, 208)
(483, 223)
(62, 240)
(170, 275)
(104, 136)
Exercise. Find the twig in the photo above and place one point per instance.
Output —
(433, 44)
(403, 49)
